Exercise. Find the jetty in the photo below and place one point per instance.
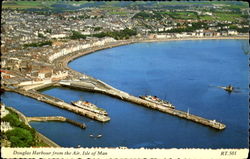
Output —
(59, 103)
(56, 118)
(90, 84)
(101, 87)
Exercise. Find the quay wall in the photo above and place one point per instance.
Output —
(60, 103)
(50, 118)
(45, 86)
(130, 98)
(46, 140)
(83, 126)
(174, 112)
(197, 38)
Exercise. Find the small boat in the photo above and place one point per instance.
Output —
(98, 136)
(91, 135)
(157, 100)
(229, 88)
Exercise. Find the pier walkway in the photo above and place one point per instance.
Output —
(101, 87)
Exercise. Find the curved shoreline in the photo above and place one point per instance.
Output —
(109, 90)
(68, 58)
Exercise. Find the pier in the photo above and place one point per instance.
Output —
(59, 103)
(56, 118)
(101, 87)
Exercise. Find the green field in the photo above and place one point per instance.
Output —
(118, 13)
(222, 17)
(47, 4)
(229, 17)
(27, 4)
(180, 3)
(181, 15)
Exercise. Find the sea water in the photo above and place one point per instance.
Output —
(184, 73)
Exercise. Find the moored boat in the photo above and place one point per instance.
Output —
(157, 100)
(90, 107)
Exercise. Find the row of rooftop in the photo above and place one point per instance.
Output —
(28, 65)
(20, 27)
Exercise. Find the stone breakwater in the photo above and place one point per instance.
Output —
(130, 98)
(56, 118)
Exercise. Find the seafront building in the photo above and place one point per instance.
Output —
(31, 41)
(5, 126)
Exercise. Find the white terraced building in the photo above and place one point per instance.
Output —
(66, 51)
(5, 126)
(4, 111)
(72, 49)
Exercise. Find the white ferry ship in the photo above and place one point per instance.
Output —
(157, 101)
(89, 106)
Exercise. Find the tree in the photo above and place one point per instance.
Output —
(20, 137)
(77, 35)
(40, 35)
(97, 28)
(118, 35)
(39, 44)
(12, 119)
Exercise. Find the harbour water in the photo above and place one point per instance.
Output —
(182, 72)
